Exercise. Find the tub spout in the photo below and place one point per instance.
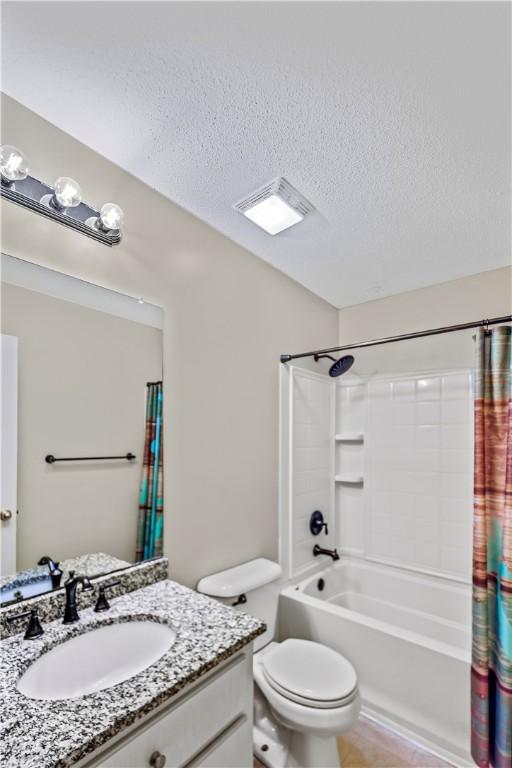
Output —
(317, 550)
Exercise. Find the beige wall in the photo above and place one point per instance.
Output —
(81, 391)
(488, 294)
(228, 316)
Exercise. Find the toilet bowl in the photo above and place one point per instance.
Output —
(313, 694)
(305, 694)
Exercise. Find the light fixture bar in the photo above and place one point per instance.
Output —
(28, 193)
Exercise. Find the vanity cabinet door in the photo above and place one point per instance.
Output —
(193, 723)
(232, 749)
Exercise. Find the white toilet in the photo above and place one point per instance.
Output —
(306, 694)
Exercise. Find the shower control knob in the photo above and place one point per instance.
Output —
(317, 523)
(157, 760)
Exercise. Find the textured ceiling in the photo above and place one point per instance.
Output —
(392, 118)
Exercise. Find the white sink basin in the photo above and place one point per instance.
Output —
(96, 660)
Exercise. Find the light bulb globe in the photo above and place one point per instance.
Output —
(111, 217)
(67, 192)
(13, 164)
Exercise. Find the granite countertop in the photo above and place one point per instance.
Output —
(92, 564)
(87, 565)
(44, 734)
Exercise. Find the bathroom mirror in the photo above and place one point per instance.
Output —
(82, 447)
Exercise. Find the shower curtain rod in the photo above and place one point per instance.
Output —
(402, 337)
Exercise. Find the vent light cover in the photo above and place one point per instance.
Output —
(275, 207)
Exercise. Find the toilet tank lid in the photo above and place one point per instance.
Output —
(240, 579)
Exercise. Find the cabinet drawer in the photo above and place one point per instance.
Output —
(196, 719)
(232, 749)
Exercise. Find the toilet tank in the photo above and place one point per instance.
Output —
(258, 581)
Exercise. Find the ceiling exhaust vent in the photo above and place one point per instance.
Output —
(275, 207)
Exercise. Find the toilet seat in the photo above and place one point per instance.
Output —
(310, 674)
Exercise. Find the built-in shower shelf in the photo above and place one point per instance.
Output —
(350, 437)
(350, 479)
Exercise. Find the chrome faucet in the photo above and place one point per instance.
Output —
(71, 585)
(317, 550)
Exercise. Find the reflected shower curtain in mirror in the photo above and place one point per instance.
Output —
(151, 502)
(491, 671)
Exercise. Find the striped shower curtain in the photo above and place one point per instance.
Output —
(491, 671)
(151, 502)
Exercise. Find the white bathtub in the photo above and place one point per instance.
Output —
(407, 635)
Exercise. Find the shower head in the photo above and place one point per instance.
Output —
(340, 366)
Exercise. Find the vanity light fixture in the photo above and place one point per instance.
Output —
(61, 203)
(13, 164)
(275, 207)
(66, 193)
(111, 217)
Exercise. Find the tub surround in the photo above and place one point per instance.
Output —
(50, 605)
(56, 734)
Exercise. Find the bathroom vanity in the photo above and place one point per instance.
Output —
(190, 707)
(209, 724)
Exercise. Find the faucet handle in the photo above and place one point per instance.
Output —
(83, 580)
(34, 628)
(317, 523)
(102, 603)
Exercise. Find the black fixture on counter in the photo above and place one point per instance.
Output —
(53, 567)
(71, 585)
(330, 552)
(317, 523)
(34, 628)
(51, 459)
(102, 604)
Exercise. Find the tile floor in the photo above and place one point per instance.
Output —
(368, 745)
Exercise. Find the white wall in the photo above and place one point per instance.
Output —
(81, 392)
(488, 294)
(415, 507)
(228, 316)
